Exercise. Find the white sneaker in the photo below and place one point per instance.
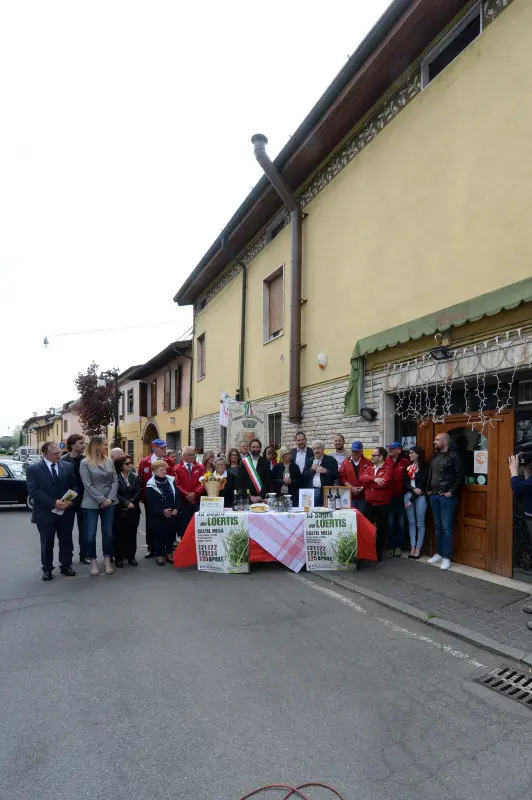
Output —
(446, 563)
(436, 559)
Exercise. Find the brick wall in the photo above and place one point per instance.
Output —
(322, 417)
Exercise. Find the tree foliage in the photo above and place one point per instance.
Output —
(96, 409)
(6, 442)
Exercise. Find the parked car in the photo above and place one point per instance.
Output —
(13, 487)
(17, 467)
(33, 458)
(16, 455)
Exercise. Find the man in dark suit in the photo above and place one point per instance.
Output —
(301, 453)
(320, 471)
(254, 473)
(47, 482)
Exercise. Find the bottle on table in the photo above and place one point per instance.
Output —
(235, 501)
(337, 501)
(245, 501)
(330, 501)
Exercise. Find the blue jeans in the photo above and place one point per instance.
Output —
(396, 522)
(443, 509)
(416, 518)
(106, 516)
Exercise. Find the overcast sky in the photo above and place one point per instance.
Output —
(124, 149)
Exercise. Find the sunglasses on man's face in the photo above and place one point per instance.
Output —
(127, 463)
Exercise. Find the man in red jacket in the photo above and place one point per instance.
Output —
(377, 482)
(351, 472)
(396, 515)
(187, 474)
(158, 447)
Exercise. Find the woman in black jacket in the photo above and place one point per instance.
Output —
(127, 513)
(163, 501)
(415, 486)
(286, 476)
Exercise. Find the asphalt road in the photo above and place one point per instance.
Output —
(157, 685)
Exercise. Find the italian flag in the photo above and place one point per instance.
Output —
(252, 472)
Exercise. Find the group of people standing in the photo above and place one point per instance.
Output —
(391, 489)
(388, 489)
(109, 491)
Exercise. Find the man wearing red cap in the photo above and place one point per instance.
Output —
(158, 447)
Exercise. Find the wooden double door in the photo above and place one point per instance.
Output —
(483, 528)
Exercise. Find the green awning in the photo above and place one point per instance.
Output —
(485, 305)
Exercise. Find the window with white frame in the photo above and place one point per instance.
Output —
(273, 305)
(451, 45)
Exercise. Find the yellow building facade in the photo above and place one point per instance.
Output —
(155, 402)
(412, 174)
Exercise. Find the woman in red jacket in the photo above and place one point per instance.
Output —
(377, 481)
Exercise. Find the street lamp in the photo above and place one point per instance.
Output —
(101, 383)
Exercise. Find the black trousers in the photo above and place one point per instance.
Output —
(149, 535)
(164, 532)
(80, 519)
(185, 515)
(125, 527)
(378, 515)
(60, 525)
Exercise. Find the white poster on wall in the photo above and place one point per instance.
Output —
(480, 462)
(243, 426)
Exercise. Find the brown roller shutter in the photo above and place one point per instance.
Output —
(143, 399)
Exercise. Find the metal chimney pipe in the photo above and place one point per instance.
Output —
(259, 142)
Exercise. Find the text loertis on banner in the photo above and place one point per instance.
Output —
(222, 542)
(331, 540)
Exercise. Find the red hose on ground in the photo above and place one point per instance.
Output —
(294, 791)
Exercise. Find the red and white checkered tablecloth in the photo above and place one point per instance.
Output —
(281, 535)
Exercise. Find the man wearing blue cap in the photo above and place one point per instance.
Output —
(396, 514)
(158, 453)
(350, 473)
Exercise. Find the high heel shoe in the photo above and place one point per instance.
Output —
(94, 568)
(108, 566)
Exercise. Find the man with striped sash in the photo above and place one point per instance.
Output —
(254, 473)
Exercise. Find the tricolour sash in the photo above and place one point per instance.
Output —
(252, 472)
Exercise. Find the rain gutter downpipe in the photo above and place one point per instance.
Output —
(244, 269)
(259, 142)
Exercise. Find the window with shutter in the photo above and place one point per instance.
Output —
(166, 395)
(273, 307)
(172, 389)
(200, 356)
(179, 386)
(198, 440)
(274, 429)
(153, 398)
(143, 399)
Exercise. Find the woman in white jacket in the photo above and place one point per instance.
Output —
(163, 502)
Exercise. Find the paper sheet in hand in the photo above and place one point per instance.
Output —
(68, 496)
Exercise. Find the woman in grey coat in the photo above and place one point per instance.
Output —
(100, 481)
